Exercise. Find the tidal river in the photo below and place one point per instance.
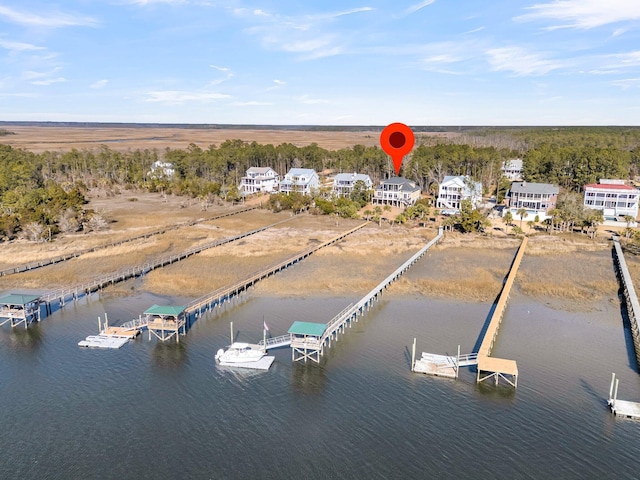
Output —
(164, 411)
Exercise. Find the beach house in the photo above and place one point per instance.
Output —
(512, 169)
(396, 192)
(613, 197)
(538, 199)
(259, 180)
(453, 190)
(343, 183)
(303, 180)
(160, 169)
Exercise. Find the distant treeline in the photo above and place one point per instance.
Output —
(48, 188)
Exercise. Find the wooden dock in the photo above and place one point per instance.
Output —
(62, 295)
(222, 295)
(62, 258)
(441, 365)
(312, 346)
(496, 368)
(630, 297)
(621, 408)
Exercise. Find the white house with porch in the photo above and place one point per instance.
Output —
(396, 192)
(302, 180)
(512, 169)
(613, 197)
(343, 183)
(259, 180)
(453, 190)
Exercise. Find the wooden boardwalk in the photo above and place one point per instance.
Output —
(491, 367)
(313, 349)
(62, 295)
(62, 258)
(224, 294)
(630, 297)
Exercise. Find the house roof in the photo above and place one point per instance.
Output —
(405, 185)
(542, 188)
(262, 170)
(610, 186)
(514, 164)
(352, 176)
(301, 171)
(18, 299)
(307, 328)
(174, 310)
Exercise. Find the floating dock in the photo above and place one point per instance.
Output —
(621, 408)
(102, 341)
(263, 364)
(441, 365)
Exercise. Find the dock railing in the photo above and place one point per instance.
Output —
(631, 299)
(62, 258)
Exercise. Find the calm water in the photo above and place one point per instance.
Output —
(167, 411)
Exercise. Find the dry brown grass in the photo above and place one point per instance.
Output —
(40, 139)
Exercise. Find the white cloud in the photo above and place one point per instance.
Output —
(583, 14)
(627, 83)
(51, 19)
(19, 46)
(222, 69)
(49, 81)
(520, 61)
(279, 82)
(151, 2)
(418, 6)
(99, 84)
(31, 74)
(252, 104)
(179, 97)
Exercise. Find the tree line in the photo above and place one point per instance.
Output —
(47, 190)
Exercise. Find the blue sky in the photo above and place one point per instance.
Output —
(364, 62)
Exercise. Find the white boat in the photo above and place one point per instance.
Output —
(244, 355)
(239, 353)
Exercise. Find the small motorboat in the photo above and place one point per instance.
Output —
(239, 353)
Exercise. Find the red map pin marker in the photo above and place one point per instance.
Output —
(397, 140)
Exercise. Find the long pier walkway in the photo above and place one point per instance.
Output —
(74, 292)
(220, 296)
(307, 345)
(493, 367)
(630, 297)
(62, 258)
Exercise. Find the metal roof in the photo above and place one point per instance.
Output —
(307, 328)
(166, 310)
(526, 187)
(18, 299)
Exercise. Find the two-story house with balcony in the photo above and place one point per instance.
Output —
(259, 180)
(613, 197)
(453, 190)
(302, 180)
(538, 199)
(512, 169)
(396, 192)
(343, 183)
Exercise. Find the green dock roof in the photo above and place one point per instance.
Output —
(307, 328)
(18, 299)
(167, 310)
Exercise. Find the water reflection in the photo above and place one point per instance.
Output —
(169, 355)
(309, 378)
(26, 338)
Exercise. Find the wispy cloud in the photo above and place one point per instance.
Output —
(19, 46)
(32, 74)
(418, 6)
(310, 36)
(50, 20)
(278, 84)
(584, 14)
(228, 75)
(152, 2)
(99, 84)
(179, 96)
(252, 104)
(49, 81)
(520, 61)
(626, 83)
